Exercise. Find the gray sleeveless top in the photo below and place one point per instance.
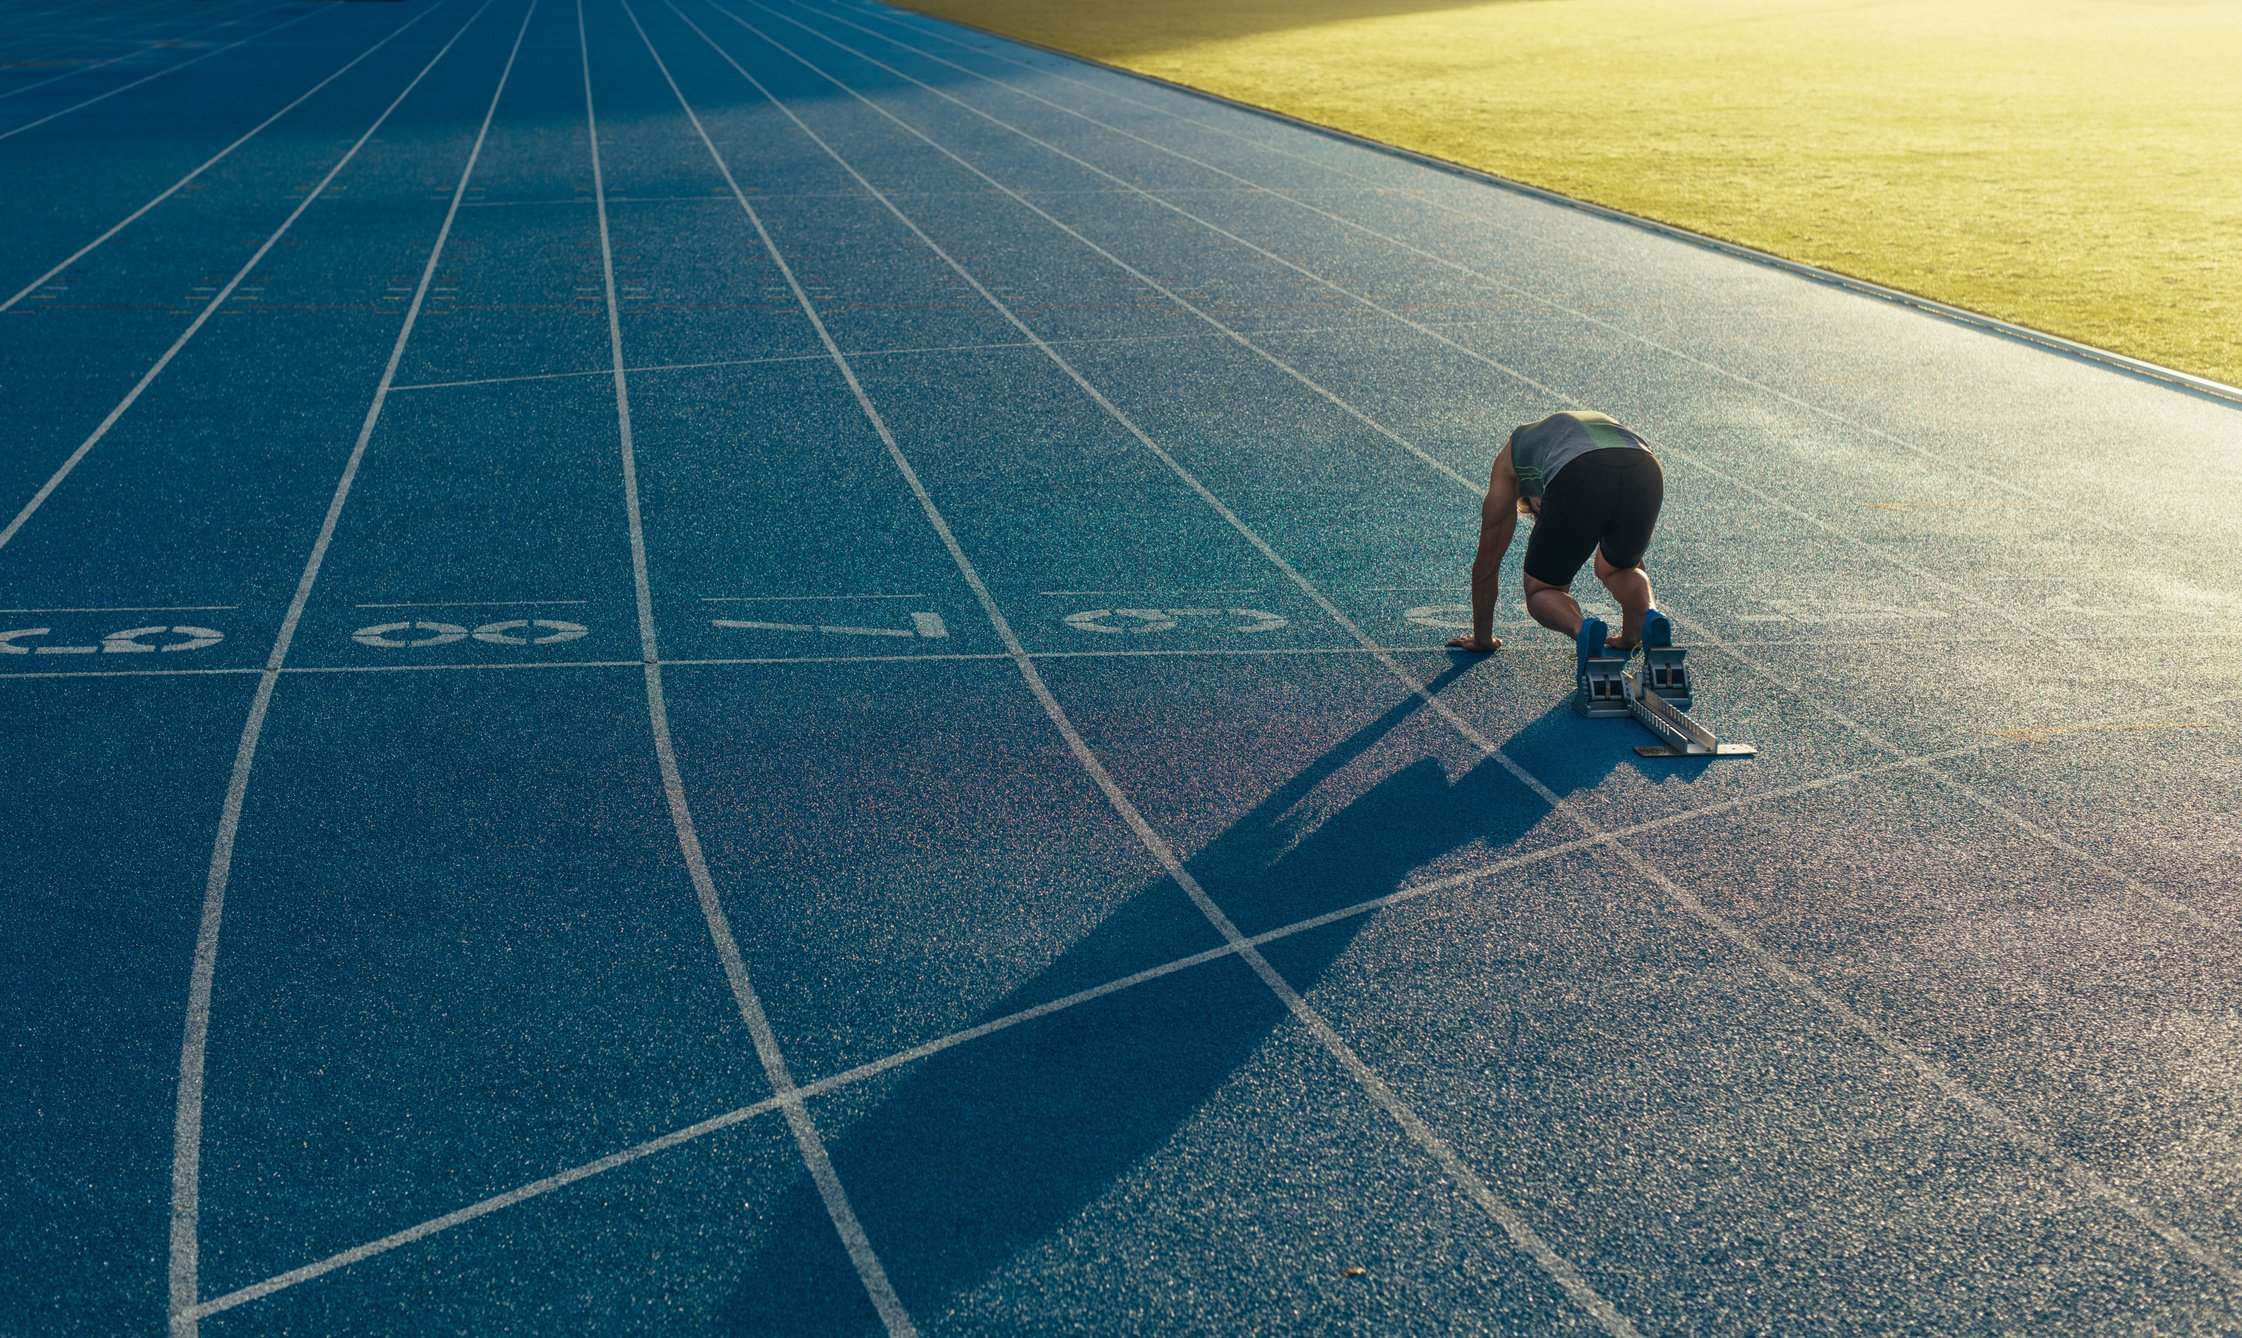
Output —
(1539, 450)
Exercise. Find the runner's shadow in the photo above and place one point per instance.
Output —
(992, 1170)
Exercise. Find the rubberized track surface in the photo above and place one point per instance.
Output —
(768, 667)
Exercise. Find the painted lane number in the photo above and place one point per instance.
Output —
(1112, 621)
(511, 632)
(130, 641)
(923, 625)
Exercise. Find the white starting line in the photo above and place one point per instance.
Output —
(924, 625)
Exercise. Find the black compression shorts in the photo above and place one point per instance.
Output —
(1609, 498)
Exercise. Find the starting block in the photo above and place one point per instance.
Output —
(1603, 686)
(1657, 698)
(1666, 674)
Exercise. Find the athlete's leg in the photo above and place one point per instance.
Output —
(1631, 587)
(1564, 536)
(1553, 606)
(1635, 495)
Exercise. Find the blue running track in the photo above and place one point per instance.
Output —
(763, 666)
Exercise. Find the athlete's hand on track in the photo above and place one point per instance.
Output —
(1474, 643)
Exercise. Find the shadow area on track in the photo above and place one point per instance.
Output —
(986, 1152)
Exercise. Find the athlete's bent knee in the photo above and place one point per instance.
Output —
(1606, 568)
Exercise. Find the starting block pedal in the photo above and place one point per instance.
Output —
(1602, 690)
(1666, 675)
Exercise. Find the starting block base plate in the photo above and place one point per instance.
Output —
(1719, 750)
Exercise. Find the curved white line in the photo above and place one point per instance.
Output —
(807, 1140)
(186, 1164)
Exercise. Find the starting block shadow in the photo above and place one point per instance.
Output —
(1568, 751)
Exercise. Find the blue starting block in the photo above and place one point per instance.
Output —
(1657, 698)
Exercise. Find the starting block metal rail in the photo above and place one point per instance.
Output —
(1657, 698)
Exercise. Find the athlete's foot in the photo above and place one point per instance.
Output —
(1589, 645)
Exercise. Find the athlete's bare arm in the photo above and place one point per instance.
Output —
(1498, 522)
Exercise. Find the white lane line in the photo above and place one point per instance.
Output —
(1817, 700)
(137, 608)
(673, 662)
(733, 362)
(217, 300)
(784, 599)
(2086, 1178)
(139, 27)
(48, 25)
(2001, 481)
(1666, 449)
(661, 367)
(140, 49)
(106, 94)
(807, 1139)
(213, 160)
(483, 1208)
(471, 603)
(128, 673)
(720, 661)
(135, 20)
(657, 367)
(1521, 1233)
(748, 625)
(1219, 652)
(1549, 652)
(1206, 590)
(186, 1166)
(904, 351)
(1823, 703)
(1413, 892)
(147, 36)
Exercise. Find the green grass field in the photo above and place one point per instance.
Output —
(2071, 165)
